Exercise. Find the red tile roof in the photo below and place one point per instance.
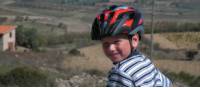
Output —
(6, 28)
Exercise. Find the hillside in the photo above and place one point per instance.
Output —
(69, 56)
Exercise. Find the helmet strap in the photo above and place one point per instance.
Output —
(130, 43)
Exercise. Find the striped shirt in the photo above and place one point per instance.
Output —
(136, 71)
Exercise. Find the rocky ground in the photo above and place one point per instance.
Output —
(82, 80)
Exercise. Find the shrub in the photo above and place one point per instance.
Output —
(156, 46)
(62, 25)
(191, 54)
(19, 18)
(25, 77)
(75, 52)
(186, 78)
(198, 46)
(95, 72)
(28, 37)
(195, 82)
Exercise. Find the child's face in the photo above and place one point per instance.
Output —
(117, 48)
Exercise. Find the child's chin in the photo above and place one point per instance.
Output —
(116, 60)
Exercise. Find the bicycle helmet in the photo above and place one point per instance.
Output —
(117, 20)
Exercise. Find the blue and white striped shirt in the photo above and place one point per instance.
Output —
(136, 71)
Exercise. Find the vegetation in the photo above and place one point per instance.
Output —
(191, 54)
(95, 72)
(75, 52)
(192, 81)
(34, 38)
(25, 77)
(74, 40)
(28, 37)
(198, 46)
(60, 2)
(164, 26)
(189, 40)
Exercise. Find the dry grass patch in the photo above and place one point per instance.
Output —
(163, 42)
(92, 57)
(186, 40)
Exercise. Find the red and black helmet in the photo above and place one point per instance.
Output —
(117, 20)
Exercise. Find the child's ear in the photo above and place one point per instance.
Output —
(135, 40)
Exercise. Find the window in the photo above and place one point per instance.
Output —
(10, 34)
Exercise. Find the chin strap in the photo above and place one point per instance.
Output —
(130, 43)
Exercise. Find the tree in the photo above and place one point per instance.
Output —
(29, 37)
(20, 36)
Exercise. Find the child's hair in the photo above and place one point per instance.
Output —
(117, 20)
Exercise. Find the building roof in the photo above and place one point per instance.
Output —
(6, 28)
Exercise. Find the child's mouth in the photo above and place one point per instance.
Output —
(114, 54)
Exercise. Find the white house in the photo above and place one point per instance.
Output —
(7, 37)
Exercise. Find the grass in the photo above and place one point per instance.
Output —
(189, 40)
(8, 12)
(171, 27)
(24, 77)
(190, 80)
(53, 12)
(4, 69)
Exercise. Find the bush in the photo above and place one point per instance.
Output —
(191, 54)
(188, 79)
(19, 18)
(75, 52)
(195, 82)
(62, 25)
(198, 46)
(95, 72)
(28, 37)
(25, 77)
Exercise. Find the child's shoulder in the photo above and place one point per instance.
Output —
(132, 62)
(133, 65)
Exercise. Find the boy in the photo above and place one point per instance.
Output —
(120, 28)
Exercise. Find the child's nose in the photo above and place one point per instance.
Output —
(112, 47)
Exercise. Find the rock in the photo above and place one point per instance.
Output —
(62, 83)
(178, 84)
(82, 80)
